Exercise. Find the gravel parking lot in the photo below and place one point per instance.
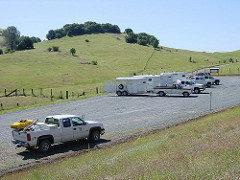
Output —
(120, 115)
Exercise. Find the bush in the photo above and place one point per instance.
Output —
(6, 51)
(1, 51)
(94, 63)
(72, 51)
(55, 48)
(86, 40)
(49, 49)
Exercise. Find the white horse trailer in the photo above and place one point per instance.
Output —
(168, 79)
(124, 86)
(151, 81)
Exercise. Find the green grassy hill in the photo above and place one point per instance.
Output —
(38, 68)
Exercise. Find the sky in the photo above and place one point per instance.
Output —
(197, 25)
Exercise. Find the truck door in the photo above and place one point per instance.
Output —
(80, 129)
(67, 130)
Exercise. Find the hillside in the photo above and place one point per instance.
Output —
(38, 68)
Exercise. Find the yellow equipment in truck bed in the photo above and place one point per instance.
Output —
(21, 124)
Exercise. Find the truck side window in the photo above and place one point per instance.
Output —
(77, 121)
(52, 121)
(66, 123)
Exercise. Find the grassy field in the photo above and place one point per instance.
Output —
(207, 148)
(38, 68)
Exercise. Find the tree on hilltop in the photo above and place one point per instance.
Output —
(11, 37)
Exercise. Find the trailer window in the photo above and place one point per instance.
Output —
(52, 121)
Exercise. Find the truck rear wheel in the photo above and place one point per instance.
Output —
(217, 82)
(125, 93)
(94, 136)
(44, 145)
(185, 94)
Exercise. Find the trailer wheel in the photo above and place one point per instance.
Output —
(120, 86)
(44, 145)
(119, 93)
(197, 90)
(125, 93)
(185, 94)
(161, 93)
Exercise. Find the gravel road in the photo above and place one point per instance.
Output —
(120, 115)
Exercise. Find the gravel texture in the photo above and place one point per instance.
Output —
(120, 115)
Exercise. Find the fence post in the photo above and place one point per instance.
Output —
(24, 92)
(66, 94)
(5, 92)
(41, 92)
(32, 92)
(97, 90)
(72, 94)
(51, 95)
(16, 93)
(1, 106)
(61, 95)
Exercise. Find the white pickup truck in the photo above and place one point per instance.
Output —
(196, 87)
(175, 89)
(57, 129)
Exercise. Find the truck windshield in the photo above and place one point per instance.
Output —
(52, 121)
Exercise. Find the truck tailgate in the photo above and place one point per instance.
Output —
(19, 136)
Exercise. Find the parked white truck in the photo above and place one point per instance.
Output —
(209, 78)
(174, 89)
(196, 87)
(57, 129)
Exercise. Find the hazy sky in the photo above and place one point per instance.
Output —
(200, 25)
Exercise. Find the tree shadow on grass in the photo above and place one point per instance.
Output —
(75, 146)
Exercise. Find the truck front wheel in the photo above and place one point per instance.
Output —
(94, 136)
(44, 145)
(217, 82)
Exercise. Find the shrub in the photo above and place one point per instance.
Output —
(55, 48)
(49, 49)
(1, 51)
(6, 51)
(94, 63)
(86, 40)
(72, 51)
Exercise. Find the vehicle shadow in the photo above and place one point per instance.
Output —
(79, 145)
(155, 96)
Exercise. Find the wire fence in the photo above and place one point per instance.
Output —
(12, 98)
